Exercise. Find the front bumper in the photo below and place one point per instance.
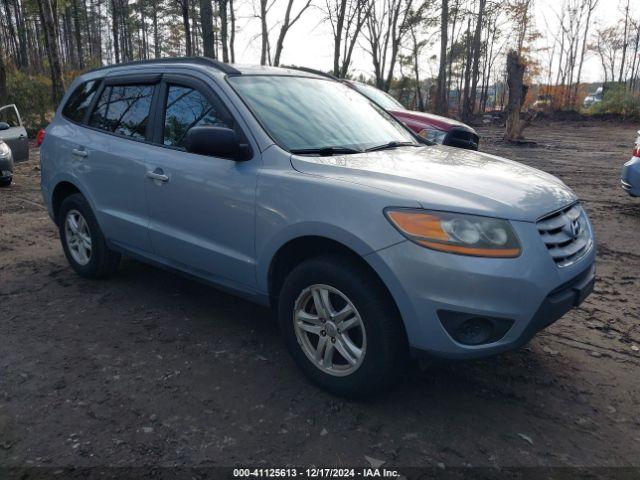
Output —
(6, 167)
(630, 180)
(530, 292)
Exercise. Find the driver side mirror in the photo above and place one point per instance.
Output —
(216, 142)
(4, 126)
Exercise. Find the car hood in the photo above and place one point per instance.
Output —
(445, 178)
(444, 123)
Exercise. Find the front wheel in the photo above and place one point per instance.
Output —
(341, 326)
(5, 182)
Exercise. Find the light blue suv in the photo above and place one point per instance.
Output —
(295, 191)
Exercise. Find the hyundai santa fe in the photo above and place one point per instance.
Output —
(295, 191)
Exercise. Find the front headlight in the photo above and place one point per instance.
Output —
(433, 134)
(5, 151)
(456, 232)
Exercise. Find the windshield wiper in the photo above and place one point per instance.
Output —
(393, 144)
(325, 151)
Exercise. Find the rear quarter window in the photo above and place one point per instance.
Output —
(76, 107)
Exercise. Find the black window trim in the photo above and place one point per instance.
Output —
(185, 80)
(83, 121)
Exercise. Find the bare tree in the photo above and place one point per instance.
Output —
(441, 89)
(206, 20)
(3, 82)
(288, 22)
(184, 7)
(624, 42)
(347, 17)
(517, 91)
(48, 10)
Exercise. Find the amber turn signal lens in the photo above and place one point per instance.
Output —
(418, 224)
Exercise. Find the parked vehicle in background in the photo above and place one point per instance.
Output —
(630, 180)
(543, 103)
(6, 165)
(295, 191)
(13, 133)
(441, 130)
(593, 98)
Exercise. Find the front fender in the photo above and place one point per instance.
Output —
(306, 229)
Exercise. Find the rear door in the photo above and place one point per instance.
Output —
(107, 150)
(16, 135)
(202, 212)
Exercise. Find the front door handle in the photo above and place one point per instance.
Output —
(157, 175)
(79, 153)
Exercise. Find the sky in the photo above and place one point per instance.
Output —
(310, 42)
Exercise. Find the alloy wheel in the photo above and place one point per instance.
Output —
(78, 237)
(329, 330)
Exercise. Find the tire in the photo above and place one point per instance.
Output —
(98, 260)
(5, 182)
(378, 331)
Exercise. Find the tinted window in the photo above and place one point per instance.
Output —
(79, 101)
(187, 108)
(10, 115)
(123, 109)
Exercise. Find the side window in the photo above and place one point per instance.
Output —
(9, 115)
(79, 101)
(187, 108)
(123, 109)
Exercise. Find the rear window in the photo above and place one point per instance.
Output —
(80, 100)
(123, 109)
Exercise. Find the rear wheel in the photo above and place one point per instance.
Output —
(82, 240)
(5, 182)
(341, 326)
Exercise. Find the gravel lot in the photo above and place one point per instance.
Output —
(149, 368)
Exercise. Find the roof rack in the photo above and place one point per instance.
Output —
(209, 62)
(312, 70)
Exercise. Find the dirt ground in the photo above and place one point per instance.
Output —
(149, 368)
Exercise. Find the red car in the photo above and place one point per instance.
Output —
(446, 131)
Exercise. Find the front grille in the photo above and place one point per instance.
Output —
(566, 234)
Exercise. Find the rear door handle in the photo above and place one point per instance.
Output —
(79, 153)
(157, 176)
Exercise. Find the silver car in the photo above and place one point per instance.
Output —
(13, 136)
(295, 191)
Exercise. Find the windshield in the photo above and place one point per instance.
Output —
(383, 99)
(308, 113)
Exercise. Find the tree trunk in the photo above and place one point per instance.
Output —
(3, 83)
(441, 93)
(337, 36)
(206, 19)
(264, 46)
(624, 42)
(157, 52)
(115, 30)
(22, 34)
(287, 23)
(47, 13)
(515, 82)
(78, 34)
(187, 27)
(224, 30)
(475, 69)
(232, 36)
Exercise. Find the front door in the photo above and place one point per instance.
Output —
(201, 208)
(14, 134)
